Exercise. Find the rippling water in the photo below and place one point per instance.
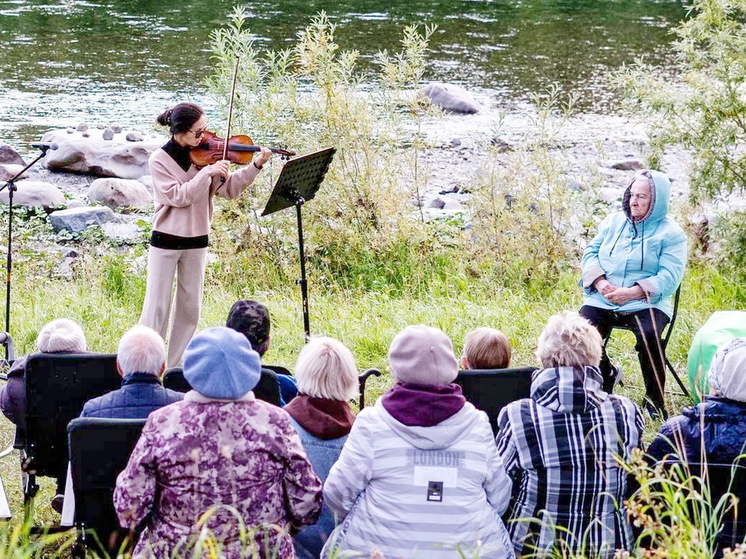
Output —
(69, 61)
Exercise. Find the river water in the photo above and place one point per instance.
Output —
(68, 61)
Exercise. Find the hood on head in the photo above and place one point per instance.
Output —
(568, 389)
(660, 195)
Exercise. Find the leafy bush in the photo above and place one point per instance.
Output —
(528, 223)
(702, 108)
(311, 97)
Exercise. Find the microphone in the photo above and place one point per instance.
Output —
(44, 146)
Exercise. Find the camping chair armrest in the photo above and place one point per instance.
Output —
(362, 379)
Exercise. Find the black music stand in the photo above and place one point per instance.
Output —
(298, 183)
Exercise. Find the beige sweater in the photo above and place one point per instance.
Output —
(183, 199)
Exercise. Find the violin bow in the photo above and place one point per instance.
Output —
(230, 110)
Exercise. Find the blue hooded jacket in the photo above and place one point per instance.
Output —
(650, 252)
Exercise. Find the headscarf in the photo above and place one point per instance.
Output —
(728, 371)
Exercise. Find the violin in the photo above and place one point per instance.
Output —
(240, 150)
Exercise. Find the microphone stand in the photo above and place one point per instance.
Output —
(11, 186)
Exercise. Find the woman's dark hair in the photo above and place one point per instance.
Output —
(181, 117)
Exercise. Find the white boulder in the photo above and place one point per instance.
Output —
(451, 98)
(35, 193)
(120, 193)
(10, 170)
(88, 152)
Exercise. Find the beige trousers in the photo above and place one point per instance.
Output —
(188, 267)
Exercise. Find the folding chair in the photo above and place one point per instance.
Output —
(57, 387)
(174, 379)
(288, 387)
(664, 342)
(490, 390)
(99, 451)
(10, 352)
(362, 380)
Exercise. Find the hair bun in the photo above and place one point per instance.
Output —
(169, 112)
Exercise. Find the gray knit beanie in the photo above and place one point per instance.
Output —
(423, 355)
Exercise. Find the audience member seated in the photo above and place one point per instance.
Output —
(141, 360)
(327, 379)
(719, 329)
(716, 426)
(561, 447)
(59, 336)
(419, 475)
(486, 348)
(252, 320)
(630, 272)
(219, 451)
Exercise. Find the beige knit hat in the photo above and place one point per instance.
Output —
(423, 355)
(61, 335)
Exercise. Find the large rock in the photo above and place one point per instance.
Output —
(628, 164)
(10, 170)
(451, 98)
(35, 193)
(78, 219)
(10, 156)
(89, 152)
(120, 193)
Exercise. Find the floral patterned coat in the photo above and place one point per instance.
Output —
(241, 461)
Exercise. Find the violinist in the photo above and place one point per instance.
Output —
(183, 196)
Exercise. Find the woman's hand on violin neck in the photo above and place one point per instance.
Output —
(262, 156)
(219, 169)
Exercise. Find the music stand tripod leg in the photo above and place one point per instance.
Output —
(303, 281)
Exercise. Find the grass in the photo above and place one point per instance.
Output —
(105, 297)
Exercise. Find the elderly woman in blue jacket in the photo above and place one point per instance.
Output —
(631, 270)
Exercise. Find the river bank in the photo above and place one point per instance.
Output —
(459, 147)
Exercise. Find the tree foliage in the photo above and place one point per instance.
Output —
(703, 108)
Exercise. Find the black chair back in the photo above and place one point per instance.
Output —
(490, 390)
(57, 387)
(174, 379)
(278, 370)
(99, 451)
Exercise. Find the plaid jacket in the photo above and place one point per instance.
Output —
(561, 447)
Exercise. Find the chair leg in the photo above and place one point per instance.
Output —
(30, 489)
(677, 378)
(79, 548)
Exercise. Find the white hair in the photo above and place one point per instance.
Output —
(141, 350)
(61, 335)
(569, 340)
(326, 369)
